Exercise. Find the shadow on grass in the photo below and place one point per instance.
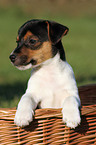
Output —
(10, 93)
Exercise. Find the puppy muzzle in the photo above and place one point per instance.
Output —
(18, 60)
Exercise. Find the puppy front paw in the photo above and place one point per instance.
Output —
(23, 117)
(71, 116)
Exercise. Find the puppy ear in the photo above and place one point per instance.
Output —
(56, 31)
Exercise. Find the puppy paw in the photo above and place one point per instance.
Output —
(23, 117)
(71, 116)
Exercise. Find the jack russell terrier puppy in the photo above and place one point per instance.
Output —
(52, 83)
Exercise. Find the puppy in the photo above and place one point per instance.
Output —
(52, 83)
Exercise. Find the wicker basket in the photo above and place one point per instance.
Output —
(48, 128)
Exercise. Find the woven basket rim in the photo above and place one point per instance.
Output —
(8, 113)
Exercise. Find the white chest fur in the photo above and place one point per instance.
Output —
(52, 83)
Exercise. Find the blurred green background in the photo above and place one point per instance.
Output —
(79, 44)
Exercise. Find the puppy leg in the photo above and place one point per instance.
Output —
(25, 110)
(70, 111)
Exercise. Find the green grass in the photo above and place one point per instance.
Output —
(79, 44)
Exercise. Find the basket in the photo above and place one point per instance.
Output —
(47, 127)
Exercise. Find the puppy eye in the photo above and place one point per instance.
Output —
(32, 41)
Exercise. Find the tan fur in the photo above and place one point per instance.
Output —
(17, 38)
(27, 35)
(44, 53)
(40, 55)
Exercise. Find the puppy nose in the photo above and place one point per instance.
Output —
(12, 57)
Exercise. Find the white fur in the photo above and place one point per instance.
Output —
(24, 67)
(53, 86)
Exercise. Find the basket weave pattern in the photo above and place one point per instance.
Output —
(48, 128)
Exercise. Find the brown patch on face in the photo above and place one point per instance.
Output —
(40, 55)
(28, 34)
(44, 53)
(17, 38)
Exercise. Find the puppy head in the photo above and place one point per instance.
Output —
(35, 43)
